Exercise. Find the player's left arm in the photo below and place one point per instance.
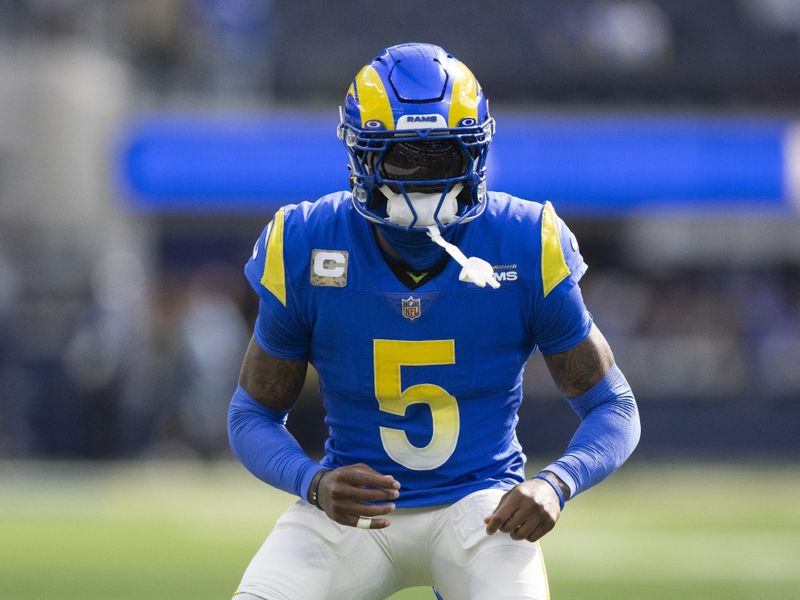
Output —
(582, 365)
(577, 371)
(609, 431)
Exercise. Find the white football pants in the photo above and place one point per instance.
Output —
(307, 556)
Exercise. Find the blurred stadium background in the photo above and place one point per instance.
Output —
(145, 143)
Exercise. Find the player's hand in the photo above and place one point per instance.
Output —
(343, 491)
(526, 512)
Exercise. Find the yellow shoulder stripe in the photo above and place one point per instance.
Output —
(463, 96)
(373, 101)
(274, 278)
(554, 267)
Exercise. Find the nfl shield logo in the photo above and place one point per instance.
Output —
(412, 308)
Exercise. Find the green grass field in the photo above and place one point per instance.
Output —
(185, 531)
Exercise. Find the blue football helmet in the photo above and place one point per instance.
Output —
(417, 129)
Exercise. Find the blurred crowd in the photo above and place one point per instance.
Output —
(126, 340)
(704, 334)
(723, 52)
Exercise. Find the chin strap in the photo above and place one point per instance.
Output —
(475, 270)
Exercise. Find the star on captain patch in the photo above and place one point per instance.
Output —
(412, 308)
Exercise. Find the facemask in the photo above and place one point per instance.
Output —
(399, 213)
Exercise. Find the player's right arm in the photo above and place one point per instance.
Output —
(268, 389)
(270, 381)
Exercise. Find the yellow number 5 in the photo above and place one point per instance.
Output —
(390, 356)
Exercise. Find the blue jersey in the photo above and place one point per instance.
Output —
(423, 385)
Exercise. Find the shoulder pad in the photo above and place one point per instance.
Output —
(273, 277)
(560, 258)
(265, 270)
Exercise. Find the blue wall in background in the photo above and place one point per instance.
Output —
(587, 164)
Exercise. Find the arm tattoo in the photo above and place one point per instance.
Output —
(577, 370)
(274, 382)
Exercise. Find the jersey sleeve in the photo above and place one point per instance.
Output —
(279, 330)
(560, 319)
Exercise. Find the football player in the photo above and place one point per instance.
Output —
(419, 296)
